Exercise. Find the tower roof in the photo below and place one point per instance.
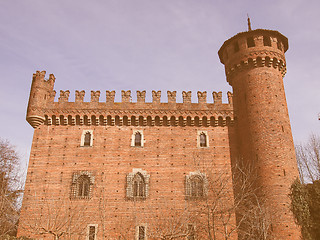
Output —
(251, 33)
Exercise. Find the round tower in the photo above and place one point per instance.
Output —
(255, 66)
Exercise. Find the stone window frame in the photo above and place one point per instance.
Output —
(75, 184)
(188, 185)
(129, 187)
(133, 138)
(83, 137)
(88, 231)
(199, 132)
(137, 232)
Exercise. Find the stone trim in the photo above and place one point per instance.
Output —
(129, 187)
(83, 136)
(188, 187)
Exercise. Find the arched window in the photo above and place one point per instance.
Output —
(203, 140)
(137, 139)
(83, 186)
(86, 138)
(139, 186)
(196, 185)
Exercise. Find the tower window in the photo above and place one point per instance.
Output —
(83, 186)
(202, 139)
(86, 138)
(141, 232)
(82, 183)
(250, 42)
(236, 47)
(137, 184)
(92, 232)
(137, 139)
(266, 41)
(196, 185)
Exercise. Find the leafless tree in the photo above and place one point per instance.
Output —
(60, 218)
(10, 188)
(308, 159)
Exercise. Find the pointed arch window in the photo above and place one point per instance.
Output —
(82, 185)
(87, 138)
(137, 138)
(196, 185)
(137, 184)
(202, 139)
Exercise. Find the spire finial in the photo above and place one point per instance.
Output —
(249, 23)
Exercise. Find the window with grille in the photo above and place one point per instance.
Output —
(196, 186)
(139, 186)
(82, 185)
(87, 139)
(141, 232)
(92, 231)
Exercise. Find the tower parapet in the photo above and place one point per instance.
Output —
(255, 65)
(41, 94)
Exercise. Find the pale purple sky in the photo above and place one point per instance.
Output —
(147, 45)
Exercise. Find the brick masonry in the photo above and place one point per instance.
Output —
(253, 125)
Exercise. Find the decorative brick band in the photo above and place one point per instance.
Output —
(254, 63)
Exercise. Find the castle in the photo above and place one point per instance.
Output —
(163, 170)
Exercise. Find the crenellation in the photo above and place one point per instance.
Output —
(217, 97)
(64, 96)
(156, 96)
(126, 96)
(172, 96)
(79, 96)
(95, 95)
(186, 96)
(202, 97)
(110, 96)
(141, 96)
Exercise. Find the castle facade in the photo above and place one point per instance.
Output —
(164, 170)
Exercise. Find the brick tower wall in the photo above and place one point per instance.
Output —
(255, 66)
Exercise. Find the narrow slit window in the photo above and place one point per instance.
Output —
(279, 45)
(137, 139)
(250, 42)
(197, 186)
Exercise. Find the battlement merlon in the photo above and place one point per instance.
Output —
(42, 104)
(41, 93)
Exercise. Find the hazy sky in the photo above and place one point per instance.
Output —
(147, 45)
